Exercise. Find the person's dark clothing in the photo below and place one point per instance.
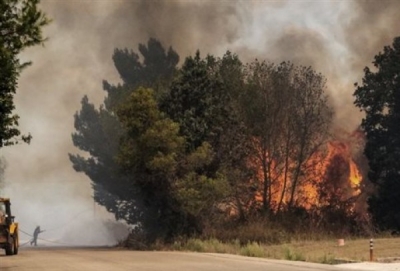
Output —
(35, 235)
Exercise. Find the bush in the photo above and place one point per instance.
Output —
(195, 245)
(293, 255)
(252, 250)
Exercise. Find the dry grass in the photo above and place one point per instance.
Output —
(327, 251)
(323, 251)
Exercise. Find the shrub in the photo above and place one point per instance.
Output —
(252, 250)
(293, 255)
(195, 245)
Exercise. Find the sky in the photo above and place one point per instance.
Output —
(336, 37)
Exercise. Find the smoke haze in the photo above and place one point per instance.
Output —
(337, 38)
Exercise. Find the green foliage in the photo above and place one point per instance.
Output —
(8, 84)
(216, 246)
(379, 98)
(21, 25)
(199, 194)
(203, 100)
(252, 250)
(149, 153)
(152, 151)
(195, 245)
(201, 157)
(155, 71)
(292, 255)
(152, 142)
(98, 132)
(193, 101)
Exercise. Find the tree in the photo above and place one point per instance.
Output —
(98, 131)
(156, 71)
(149, 154)
(311, 122)
(98, 134)
(152, 153)
(288, 120)
(234, 146)
(265, 119)
(203, 100)
(21, 26)
(193, 100)
(379, 97)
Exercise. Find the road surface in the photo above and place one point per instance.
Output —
(103, 259)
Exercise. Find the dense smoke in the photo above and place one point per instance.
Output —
(372, 25)
(337, 38)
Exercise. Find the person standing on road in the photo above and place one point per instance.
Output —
(35, 236)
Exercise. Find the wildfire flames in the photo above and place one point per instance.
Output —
(329, 177)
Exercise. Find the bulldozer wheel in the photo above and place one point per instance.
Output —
(10, 248)
(15, 244)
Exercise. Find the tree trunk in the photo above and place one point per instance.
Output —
(285, 176)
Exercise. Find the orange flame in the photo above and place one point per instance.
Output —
(355, 177)
(332, 171)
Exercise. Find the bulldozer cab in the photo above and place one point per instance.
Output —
(2, 213)
(8, 228)
(5, 212)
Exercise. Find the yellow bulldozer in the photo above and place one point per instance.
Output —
(8, 228)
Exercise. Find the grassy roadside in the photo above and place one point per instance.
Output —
(322, 251)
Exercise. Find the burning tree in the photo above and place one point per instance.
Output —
(287, 112)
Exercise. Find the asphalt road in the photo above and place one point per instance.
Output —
(102, 259)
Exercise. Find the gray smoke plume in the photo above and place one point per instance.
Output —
(373, 25)
(337, 38)
(367, 28)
